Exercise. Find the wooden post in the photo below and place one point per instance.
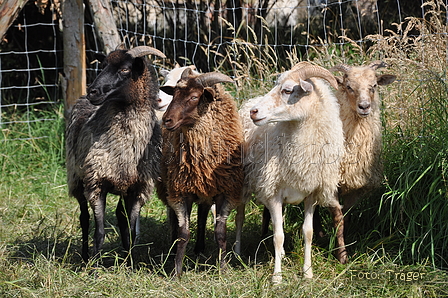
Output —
(74, 51)
(9, 9)
(105, 24)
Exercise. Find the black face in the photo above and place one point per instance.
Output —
(119, 69)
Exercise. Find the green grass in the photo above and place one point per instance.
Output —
(40, 243)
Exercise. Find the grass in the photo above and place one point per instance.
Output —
(40, 243)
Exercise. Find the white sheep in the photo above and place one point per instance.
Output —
(294, 152)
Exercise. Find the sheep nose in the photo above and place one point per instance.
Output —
(167, 121)
(364, 106)
(253, 113)
(93, 92)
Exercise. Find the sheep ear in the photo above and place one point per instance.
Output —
(209, 93)
(100, 57)
(340, 80)
(167, 89)
(186, 73)
(121, 46)
(307, 87)
(385, 79)
(164, 72)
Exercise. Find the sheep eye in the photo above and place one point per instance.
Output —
(287, 91)
(125, 70)
(193, 98)
(349, 88)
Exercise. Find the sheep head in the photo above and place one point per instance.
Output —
(191, 98)
(293, 95)
(121, 68)
(360, 83)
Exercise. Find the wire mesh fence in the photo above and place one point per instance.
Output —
(196, 32)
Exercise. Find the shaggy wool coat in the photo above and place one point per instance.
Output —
(301, 155)
(205, 159)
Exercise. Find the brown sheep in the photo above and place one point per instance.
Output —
(201, 157)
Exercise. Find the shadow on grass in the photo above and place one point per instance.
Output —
(61, 243)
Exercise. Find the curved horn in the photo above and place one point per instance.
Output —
(145, 50)
(211, 78)
(341, 67)
(309, 71)
(377, 64)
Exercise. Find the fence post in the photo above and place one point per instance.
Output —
(74, 52)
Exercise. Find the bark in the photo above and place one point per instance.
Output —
(9, 9)
(105, 24)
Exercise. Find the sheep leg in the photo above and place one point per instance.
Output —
(338, 221)
(222, 213)
(317, 223)
(182, 209)
(274, 205)
(174, 224)
(84, 218)
(98, 204)
(239, 221)
(307, 230)
(265, 222)
(128, 212)
(203, 210)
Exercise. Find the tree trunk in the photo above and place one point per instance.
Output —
(105, 24)
(9, 9)
(74, 51)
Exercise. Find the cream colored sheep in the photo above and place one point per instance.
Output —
(293, 153)
(361, 168)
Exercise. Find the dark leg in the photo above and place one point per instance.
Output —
(127, 216)
(317, 223)
(174, 224)
(265, 222)
(97, 201)
(222, 213)
(84, 220)
(203, 210)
